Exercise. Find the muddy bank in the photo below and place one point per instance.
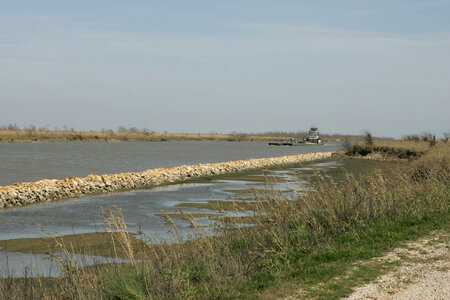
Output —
(50, 190)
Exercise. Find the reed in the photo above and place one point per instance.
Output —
(289, 232)
(306, 240)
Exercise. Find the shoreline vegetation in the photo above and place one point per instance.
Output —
(13, 134)
(309, 245)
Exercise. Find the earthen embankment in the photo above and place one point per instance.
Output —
(46, 190)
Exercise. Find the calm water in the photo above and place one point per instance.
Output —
(30, 162)
(34, 161)
(141, 210)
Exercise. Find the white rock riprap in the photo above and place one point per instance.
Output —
(49, 190)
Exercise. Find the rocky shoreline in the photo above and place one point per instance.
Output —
(47, 190)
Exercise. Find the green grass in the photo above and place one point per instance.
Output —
(325, 271)
(316, 272)
(317, 239)
(316, 243)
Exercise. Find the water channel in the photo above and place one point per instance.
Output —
(20, 162)
(141, 208)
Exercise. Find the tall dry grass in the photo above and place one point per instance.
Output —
(238, 258)
(16, 134)
(291, 237)
(403, 149)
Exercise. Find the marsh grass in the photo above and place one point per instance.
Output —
(297, 242)
(392, 149)
(15, 134)
(23, 135)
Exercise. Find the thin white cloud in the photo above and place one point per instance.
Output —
(354, 73)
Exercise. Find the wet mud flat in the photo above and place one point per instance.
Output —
(80, 221)
(49, 190)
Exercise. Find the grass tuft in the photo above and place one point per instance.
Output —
(309, 242)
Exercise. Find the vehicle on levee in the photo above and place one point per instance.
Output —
(312, 139)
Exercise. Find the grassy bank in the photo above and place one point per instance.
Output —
(298, 242)
(392, 149)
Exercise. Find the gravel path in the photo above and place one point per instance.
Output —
(424, 273)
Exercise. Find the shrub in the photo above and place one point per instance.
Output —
(368, 139)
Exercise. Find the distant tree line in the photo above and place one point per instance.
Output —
(65, 128)
(426, 137)
(143, 130)
(33, 130)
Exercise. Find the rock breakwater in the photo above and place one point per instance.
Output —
(25, 193)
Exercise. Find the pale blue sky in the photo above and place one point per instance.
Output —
(203, 66)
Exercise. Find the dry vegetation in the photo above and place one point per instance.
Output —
(408, 148)
(13, 134)
(302, 241)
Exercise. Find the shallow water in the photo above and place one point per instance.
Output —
(17, 265)
(34, 161)
(141, 208)
(84, 215)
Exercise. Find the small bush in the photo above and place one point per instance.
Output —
(412, 137)
(309, 239)
(446, 136)
(427, 136)
(346, 146)
(368, 139)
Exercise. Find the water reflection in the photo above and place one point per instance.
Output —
(142, 210)
(16, 264)
(34, 161)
